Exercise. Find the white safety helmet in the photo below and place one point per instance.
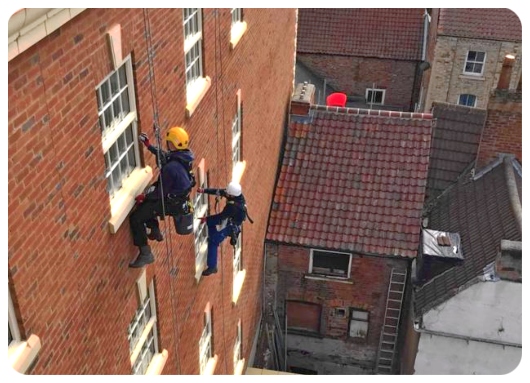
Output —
(234, 189)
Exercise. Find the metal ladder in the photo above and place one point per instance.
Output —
(390, 328)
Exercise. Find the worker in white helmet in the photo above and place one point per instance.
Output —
(225, 224)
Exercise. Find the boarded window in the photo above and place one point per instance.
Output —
(358, 323)
(303, 316)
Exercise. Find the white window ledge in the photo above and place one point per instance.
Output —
(123, 200)
(157, 363)
(237, 31)
(329, 279)
(238, 285)
(210, 366)
(469, 76)
(239, 367)
(195, 93)
(22, 354)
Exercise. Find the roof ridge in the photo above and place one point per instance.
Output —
(372, 112)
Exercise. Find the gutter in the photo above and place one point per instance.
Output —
(466, 338)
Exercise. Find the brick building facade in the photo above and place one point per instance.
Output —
(371, 55)
(73, 299)
(466, 51)
(503, 130)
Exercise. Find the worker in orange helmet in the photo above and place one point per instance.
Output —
(175, 182)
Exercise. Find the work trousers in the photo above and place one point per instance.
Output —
(146, 215)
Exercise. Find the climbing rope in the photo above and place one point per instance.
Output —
(156, 126)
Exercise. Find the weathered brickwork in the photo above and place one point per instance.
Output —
(503, 129)
(68, 274)
(366, 290)
(447, 78)
(353, 75)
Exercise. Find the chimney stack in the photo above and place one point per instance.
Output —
(304, 96)
(506, 72)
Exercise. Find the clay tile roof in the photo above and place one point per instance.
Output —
(455, 144)
(353, 182)
(480, 23)
(479, 210)
(381, 32)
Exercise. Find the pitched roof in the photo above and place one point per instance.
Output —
(455, 143)
(480, 23)
(381, 32)
(481, 212)
(353, 182)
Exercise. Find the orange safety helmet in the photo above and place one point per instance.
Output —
(178, 137)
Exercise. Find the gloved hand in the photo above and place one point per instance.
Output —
(140, 198)
(202, 219)
(143, 137)
(200, 190)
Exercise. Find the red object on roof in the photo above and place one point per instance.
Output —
(336, 99)
(352, 182)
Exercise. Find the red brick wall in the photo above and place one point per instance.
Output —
(353, 75)
(370, 277)
(503, 129)
(68, 275)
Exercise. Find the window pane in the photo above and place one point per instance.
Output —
(480, 56)
(115, 88)
(105, 93)
(126, 108)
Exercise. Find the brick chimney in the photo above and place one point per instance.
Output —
(506, 72)
(304, 96)
(509, 262)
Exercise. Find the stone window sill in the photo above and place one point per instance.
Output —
(157, 363)
(239, 367)
(238, 285)
(195, 93)
(329, 279)
(22, 354)
(210, 366)
(123, 201)
(237, 31)
(469, 76)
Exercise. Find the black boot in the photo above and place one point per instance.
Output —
(155, 235)
(209, 270)
(144, 258)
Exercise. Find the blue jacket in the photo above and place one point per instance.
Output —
(174, 173)
(235, 207)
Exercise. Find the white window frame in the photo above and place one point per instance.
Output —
(21, 353)
(359, 323)
(474, 62)
(142, 332)
(323, 274)
(206, 357)
(467, 95)
(118, 123)
(239, 361)
(236, 132)
(374, 91)
(193, 55)
(119, 140)
(238, 26)
(238, 266)
(200, 230)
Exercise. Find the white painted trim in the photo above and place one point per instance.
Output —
(123, 201)
(238, 285)
(195, 93)
(22, 354)
(236, 32)
(30, 25)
